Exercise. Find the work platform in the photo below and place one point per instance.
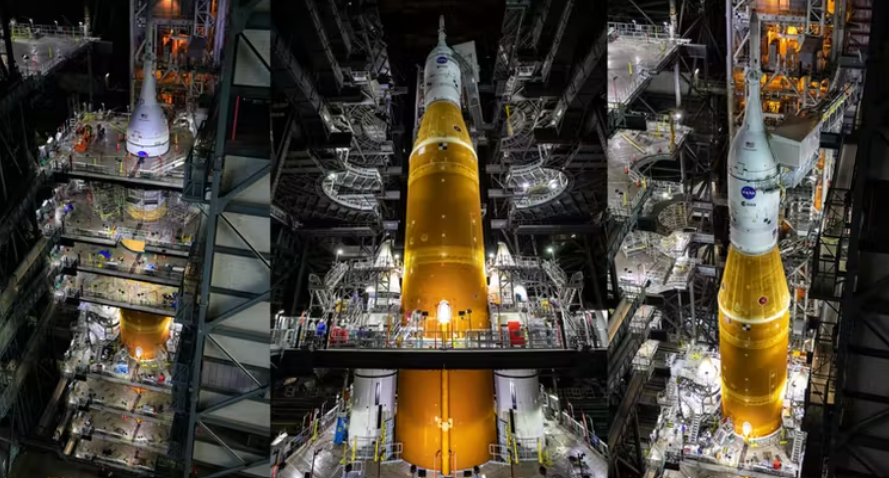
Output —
(39, 49)
(563, 445)
(119, 408)
(631, 157)
(300, 362)
(636, 53)
(103, 215)
(81, 152)
(120, 262)
(122, 293)
(639, 184)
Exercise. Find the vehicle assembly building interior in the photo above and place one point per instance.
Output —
(440, 204)
(743, 160)
(444, 238)
(127, 344)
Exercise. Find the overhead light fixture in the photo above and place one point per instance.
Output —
(277, 441)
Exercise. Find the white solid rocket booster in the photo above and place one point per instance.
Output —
(373, 403)
(519, 406)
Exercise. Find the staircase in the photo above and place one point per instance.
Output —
(670, 395)
(556, 274)
(695, 429)
(799, 440)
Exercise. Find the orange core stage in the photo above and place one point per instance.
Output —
(143, 333)
(445, 418)
(754, 321)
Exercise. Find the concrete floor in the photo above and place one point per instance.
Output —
(643, 54)
(328, 461)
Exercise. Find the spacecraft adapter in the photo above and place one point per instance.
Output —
(754, 300)
(445, 417)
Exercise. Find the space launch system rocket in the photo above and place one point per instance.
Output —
(446, 418)
(754, 300)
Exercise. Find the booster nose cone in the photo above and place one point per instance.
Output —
(148, 134)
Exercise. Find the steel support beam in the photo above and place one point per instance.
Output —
(208, 322)
(856, 443)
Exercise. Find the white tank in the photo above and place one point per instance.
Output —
(371, 389)
(754, 192)
(441, 76)
(519, 390)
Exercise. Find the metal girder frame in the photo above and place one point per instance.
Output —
(582, 73)
(509, 42)
(858, 435)
(19, 182)
(241, 11)
(557, 40)
(624, 439)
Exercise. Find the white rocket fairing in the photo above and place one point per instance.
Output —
(753, 298)
(754, 191)
(441, 74)
(148, 134)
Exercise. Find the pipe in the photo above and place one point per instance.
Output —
(729, 80)
(235, 119)
(445, 437)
